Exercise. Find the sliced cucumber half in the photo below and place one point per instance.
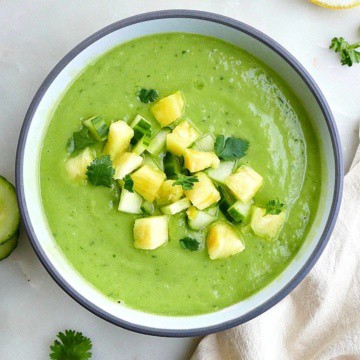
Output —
(9, 211)
(7, 248)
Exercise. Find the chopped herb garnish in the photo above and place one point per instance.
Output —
(147, 95)
(274, 207)
(72, 345)
(189, 244)
(100, 172)
(128, 183)
(79, 141)
(349, 54)
(187, 182)
(231, 148)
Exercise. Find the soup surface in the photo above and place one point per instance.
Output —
(227, 91)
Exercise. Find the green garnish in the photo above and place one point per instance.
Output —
(348, 52)
(100, 172)
(231, 148)
(147, 95)
(73, 345)
(128, 183)
(187, 182)
(274, 207)
(79, 141)
(189, 244)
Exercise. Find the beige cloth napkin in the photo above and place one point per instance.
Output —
(320, 319)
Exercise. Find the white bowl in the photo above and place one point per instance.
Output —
(36, 123)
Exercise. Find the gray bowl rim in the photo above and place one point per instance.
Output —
(312, 86)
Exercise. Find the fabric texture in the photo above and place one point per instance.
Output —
(320, 319)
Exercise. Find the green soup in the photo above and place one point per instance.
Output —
(227, 91)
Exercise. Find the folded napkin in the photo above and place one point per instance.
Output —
(320, 319)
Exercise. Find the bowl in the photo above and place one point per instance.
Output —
(35, 126)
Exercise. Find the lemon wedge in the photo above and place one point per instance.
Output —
(337, 4)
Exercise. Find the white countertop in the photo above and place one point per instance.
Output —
(34, 35)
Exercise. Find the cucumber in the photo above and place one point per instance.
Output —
(140, 146)
(226, 201)
(7, 248)
(171, 166)
(176, 207)
(240, 211)
(224, 170)
(97, 128)
(130, 202)
(142, 130)
(147, 208)
(158, 142)
(202, 219)
(205, 143)
(154, 162)
(9, 211)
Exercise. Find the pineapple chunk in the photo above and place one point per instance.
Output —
(181, 138)
(168, 109)
(168, 193)
(125, 164)
(76, 166)
(204, 193)
(147, 181)
(119, 137)
(199, 160)
(151, 232)
(245, 183)
(222, 241)
(266, 226)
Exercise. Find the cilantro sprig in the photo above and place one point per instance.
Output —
(79, 141)
(100, 172)
(187, 182)
(349, 54)
(71, 345)
(231, 148)
(128, 183)
(147, 95)
(189, 243)
(274, 207)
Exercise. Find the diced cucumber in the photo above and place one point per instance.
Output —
(239, 211)
(171, 166)
(147, 207)
(9, 211)
(9, 246)
(97, 128)
(176, 207)
(213, 210)
(130, 202)
(205, 143)
(226, 201)
(154, 162)
(142, 130)
(158, 142)
(224, 170)
(200, 220)
(140, 146)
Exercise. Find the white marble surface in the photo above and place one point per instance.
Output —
(34, 35)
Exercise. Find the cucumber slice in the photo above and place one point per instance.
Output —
(176, 207)
(158, 142)
(140, 146)
(202, 219)
(224, 170)
(205, 143)
(7, 248)
(154, 162)
(226, 201)
(142, 130)
(147, 207)
(130, 202)
(171, 166)
(9, 211)
(97, 128)
(240, 211)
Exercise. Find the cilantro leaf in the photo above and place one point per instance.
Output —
(349, 54)
(147, 96)
(187, 182)
(231, 148)
(274, 207)
(129, 183)
(79, 141)
(100, 172)
(72, 345)
(189, 244)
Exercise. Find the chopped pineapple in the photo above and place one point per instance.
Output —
(76, 166)
(245, 183)
(266, 226)
(168, 193)
(120, 135)
(199, 160)
(125, 164)
(222, 241)
(169, 109)
(151, 232)
(181, 138)
(204, 193)
(147, 181)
